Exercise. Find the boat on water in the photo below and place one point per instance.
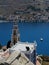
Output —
(41, 39)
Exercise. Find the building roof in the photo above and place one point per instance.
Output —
(24, 46)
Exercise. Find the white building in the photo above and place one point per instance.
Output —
(29, 49)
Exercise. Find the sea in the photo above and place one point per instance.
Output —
(29, 32)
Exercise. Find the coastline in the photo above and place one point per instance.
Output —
(21, 21)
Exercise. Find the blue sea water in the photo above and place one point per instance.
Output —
(28, 32)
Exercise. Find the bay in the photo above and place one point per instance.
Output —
(29, 32)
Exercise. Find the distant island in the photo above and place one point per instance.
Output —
(30, 10)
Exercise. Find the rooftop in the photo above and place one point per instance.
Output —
(24, 46)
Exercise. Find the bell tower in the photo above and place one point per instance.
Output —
(15, 37)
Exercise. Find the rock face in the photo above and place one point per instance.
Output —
(32, 10)
(17, 58)
(9, 6)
